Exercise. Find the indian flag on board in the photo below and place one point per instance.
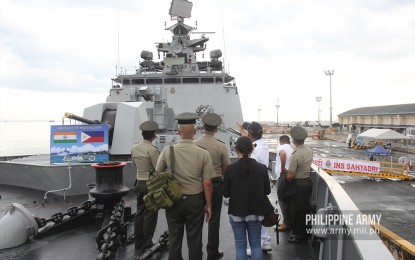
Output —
(64, 137)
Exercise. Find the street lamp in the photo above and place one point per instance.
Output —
(318, 99)
(277, 106)
(329, 73)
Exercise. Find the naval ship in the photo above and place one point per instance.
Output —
(88, 222)
(158, 90)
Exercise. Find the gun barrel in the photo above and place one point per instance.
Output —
(81, 119)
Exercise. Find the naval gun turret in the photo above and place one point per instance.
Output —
(124, 118)
(93, 122)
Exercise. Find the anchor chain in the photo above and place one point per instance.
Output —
(71, 212)
(110, 237)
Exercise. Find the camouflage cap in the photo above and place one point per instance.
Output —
(298, 133)
(149, 126)
(212, 119)
(186, 118)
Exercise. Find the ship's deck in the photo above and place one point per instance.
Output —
(80, 242)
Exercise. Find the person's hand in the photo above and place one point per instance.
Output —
(241, 129)
(208, 213)
(290, 176)
(239, 126)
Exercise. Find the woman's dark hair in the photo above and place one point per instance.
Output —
(245, 147)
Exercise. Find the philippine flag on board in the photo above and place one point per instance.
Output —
(92, 136)
(64, 137)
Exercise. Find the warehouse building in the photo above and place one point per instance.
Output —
(400, 118)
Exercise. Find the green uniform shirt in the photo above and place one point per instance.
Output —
(192, 165)
(145, 157)
(300, 162)
(217, 150)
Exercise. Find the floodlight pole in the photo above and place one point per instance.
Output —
(277, 106)
(318, 99)
(329, 73)
(259, 114)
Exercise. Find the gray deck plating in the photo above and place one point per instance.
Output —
(80, 243)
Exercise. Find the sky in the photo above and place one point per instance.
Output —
(60, 55)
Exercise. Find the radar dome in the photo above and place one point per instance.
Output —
(215, 54)
(147, 55)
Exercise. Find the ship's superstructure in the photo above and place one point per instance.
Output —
(177, 83)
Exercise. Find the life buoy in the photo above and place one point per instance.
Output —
(403, 160)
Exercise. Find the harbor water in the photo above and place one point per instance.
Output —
(24, 137)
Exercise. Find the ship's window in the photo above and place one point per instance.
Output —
(190, 80)
(138, 81)
(154, 81)
(219, 80)
(126, 81)
(206, 80)
(184, 55)
(172, 81)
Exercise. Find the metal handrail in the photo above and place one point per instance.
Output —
(45, 198)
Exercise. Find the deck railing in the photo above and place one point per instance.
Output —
(360, 245)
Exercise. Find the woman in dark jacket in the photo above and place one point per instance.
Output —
(246, 182)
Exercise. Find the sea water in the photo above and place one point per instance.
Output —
(25, 137)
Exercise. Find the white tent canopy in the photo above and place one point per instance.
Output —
(382, 134)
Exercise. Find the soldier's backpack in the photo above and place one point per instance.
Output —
(163, 189)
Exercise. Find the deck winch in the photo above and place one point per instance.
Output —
(109, 186)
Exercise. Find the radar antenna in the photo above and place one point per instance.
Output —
(181, 8)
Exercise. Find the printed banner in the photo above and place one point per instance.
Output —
(79, 143)
(347, 165)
